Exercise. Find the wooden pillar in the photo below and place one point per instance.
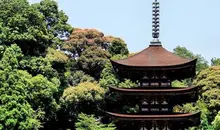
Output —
(160, 79)
(149, 103)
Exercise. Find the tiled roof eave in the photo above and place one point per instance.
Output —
(176, 66)
(170, 117)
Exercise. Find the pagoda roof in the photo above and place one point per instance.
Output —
(154, 56)
(167, 117)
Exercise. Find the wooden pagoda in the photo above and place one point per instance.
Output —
(155, 68)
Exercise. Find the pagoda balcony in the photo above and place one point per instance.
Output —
(155, 91)
(173, 121)
(157, 117)
(154, 97)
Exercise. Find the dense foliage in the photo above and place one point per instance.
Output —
(201, 64)
(185, 53)
(86, 122)
(32, 27)
(208, 81)
(215, 61)
(30, 96)
(50, 72)
(85, 97)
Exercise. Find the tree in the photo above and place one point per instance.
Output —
(32, 27)
(215, 61)
(11, 57)
(56, 21)
(118, 47)
(2, 49)
(42, 96)
(93, 60)
(216, 122)
(108, 77)
(85, 97)
(118, 57)
(127, 84)
(38, 65)
(200, 106)
(56, 56)
(81, 39)
(177, 83)
(76, 77)
(209, 82)
(15, 111)
(58, 60)
(200, 65)
(89, 122)
(26, 101)
(183, 52)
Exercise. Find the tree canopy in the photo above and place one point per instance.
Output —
(215, 61)
(202, 63)
(24, 94)
(89, 122)
(209, 81)
(32, 27)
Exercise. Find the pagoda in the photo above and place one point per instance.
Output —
(155, 68)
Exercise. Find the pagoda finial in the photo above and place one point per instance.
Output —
(156, 23)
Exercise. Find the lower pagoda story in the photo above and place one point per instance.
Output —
(155, 108)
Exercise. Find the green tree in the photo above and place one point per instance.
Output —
(76, 77)
(127, 84)
(89, 122)
(108, 77)
(27, 101)
(200, 106)
(38, 65)
(93, 60)
(118, 47)
(32, 27)
(209, 81)
(56, 21)
(85, 97)
(118, 57)
(177, 83)
(216, 122)
(11, 57)
(15, 111)
(58, 56)
(42, 96)
(215, 61)
(202, 63)
(2, 49)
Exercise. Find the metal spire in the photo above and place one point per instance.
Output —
(156, 23)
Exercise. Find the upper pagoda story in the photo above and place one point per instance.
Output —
(155, 58)
(155, 61)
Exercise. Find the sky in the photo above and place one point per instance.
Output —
(194, 24)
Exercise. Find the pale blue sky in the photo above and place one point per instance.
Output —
(194, 24)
